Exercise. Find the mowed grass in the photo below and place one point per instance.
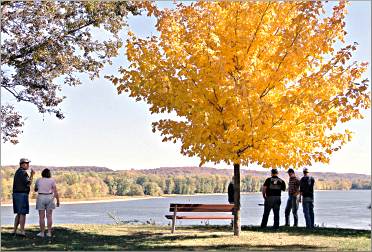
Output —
(149, 237)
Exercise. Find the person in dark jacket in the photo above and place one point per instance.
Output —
(21, 189)
(307, 194)
(230, 195)
(271, 192)
(230, 191)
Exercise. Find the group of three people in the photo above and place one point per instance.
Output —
(45, 201)
(298, 190)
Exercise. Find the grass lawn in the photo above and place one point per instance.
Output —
(148, 237)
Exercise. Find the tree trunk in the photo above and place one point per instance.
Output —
(237, 199)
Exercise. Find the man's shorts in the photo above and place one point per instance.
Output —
(45, 202)
(20, 203)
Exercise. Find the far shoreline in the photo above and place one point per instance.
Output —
(132, 198)
(121, 199)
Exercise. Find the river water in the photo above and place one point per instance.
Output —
(345, 209)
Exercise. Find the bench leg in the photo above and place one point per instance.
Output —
(173, 225)
(174, 220)
(232, 221)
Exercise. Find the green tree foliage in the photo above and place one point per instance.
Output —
(169, 186)
(152, 188)
(122, 186)
(361, 184)
(44, 40)
(136, 190)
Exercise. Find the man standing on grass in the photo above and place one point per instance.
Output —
(307, 193)
(293, 198)
(230, 196)
(271, 192)
(230, 191)
(21, 189)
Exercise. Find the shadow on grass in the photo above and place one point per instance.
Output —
(70, 239)
(319, 231)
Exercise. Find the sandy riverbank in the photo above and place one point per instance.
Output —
(91, 201)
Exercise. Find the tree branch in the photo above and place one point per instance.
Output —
(258, 26)
(267, 89)
(25, 52)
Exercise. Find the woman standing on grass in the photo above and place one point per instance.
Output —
(47, 191)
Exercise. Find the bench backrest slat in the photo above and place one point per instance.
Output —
(202, 207)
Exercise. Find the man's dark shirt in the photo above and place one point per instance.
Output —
(21, 182)
(275, 186)
(307, 186)
(230, 193)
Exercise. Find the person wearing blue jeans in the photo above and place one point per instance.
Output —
(293, 198)
(308, 208)
(307, 194)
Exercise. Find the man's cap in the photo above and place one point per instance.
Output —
(306, 170)
(274, 171)
(24, 160)
(290, 170)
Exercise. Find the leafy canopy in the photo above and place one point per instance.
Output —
(42, 41)
(253, 82)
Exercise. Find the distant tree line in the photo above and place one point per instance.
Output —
(83, 185)
(361, 184)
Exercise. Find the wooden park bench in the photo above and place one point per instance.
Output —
(179, 208)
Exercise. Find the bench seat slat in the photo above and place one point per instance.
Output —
(200, 217)
(202, 207)
(200, 210)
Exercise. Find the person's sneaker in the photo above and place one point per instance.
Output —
(49, 234)
(40, 234)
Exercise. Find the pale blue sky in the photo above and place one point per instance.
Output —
(102, 128)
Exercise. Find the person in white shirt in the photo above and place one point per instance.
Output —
(47, 192)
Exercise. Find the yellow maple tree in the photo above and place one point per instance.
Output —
(252, 82)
